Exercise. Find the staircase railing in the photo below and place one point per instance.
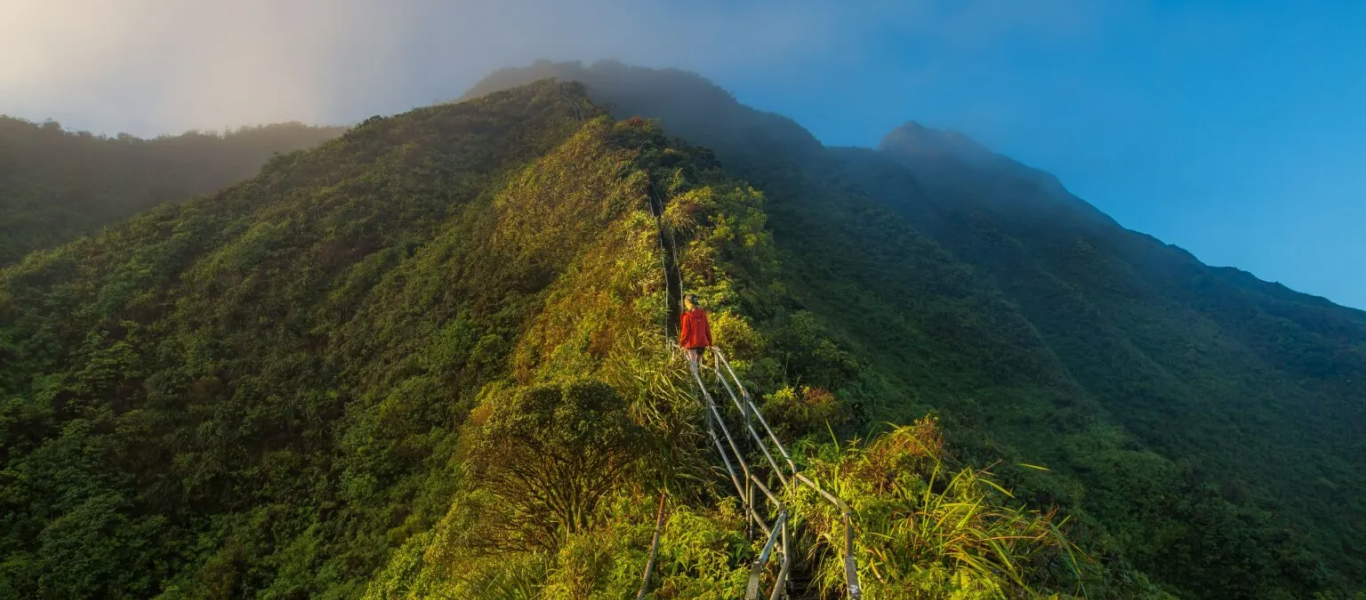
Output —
(745, 403)
(777, 537)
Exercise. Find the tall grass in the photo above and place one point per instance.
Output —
(928, 530)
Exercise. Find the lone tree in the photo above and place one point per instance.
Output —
(551, 454)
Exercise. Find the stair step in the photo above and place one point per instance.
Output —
(803, 587)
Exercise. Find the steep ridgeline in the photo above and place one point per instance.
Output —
(1201, 424)
(1246, 384)
(427, 359)
(256, 393)
(57, 185)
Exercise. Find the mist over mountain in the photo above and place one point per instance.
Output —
(428, 359)
(56, 185)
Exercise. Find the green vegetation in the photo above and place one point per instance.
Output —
(427, 359)
(57, 185)
(1200, 424)
(203, 425)
(549, 457)
(931, 529)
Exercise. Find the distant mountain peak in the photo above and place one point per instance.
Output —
(916, 139)
(687, 104)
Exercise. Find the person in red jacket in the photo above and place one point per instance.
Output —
(695, 334)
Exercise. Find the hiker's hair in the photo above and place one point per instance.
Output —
(692, 299)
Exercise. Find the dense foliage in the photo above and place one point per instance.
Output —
(428, 358)
(56, 185)
(550, 456)
(251, 393)
(930, 528)
(1201, 424)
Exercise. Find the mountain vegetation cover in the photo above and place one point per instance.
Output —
(56, 185)
(428, 359)
(1205, 422)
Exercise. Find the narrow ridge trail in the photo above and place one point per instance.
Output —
(754, 483)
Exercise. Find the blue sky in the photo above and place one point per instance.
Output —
(1233, 129)
(1236, 130)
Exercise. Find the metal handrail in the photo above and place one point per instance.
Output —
(757, 569)
(850, 561)
(754, 434)
(739, 458)
(777, 533)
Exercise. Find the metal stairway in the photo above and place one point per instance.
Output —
(747, 482)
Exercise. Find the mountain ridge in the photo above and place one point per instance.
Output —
(56, 185)
(1149, 340)
(330, 380)
(294, 388)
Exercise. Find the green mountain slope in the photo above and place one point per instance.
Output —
(428, 359)
(1246, 381)
(1204, 421)
(241, 393)
(56, 185)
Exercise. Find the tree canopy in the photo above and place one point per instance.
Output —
(57, 185)
(429, 358)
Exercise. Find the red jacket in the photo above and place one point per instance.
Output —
(696, 333)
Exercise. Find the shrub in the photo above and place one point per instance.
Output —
(926, 531)
(551, 454)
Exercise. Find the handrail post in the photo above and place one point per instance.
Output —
(749, 508)
(850, 563)
(654, 549)
(780, 586)
(752, 590)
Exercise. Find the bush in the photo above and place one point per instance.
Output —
(928, 531)
(551, 454)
